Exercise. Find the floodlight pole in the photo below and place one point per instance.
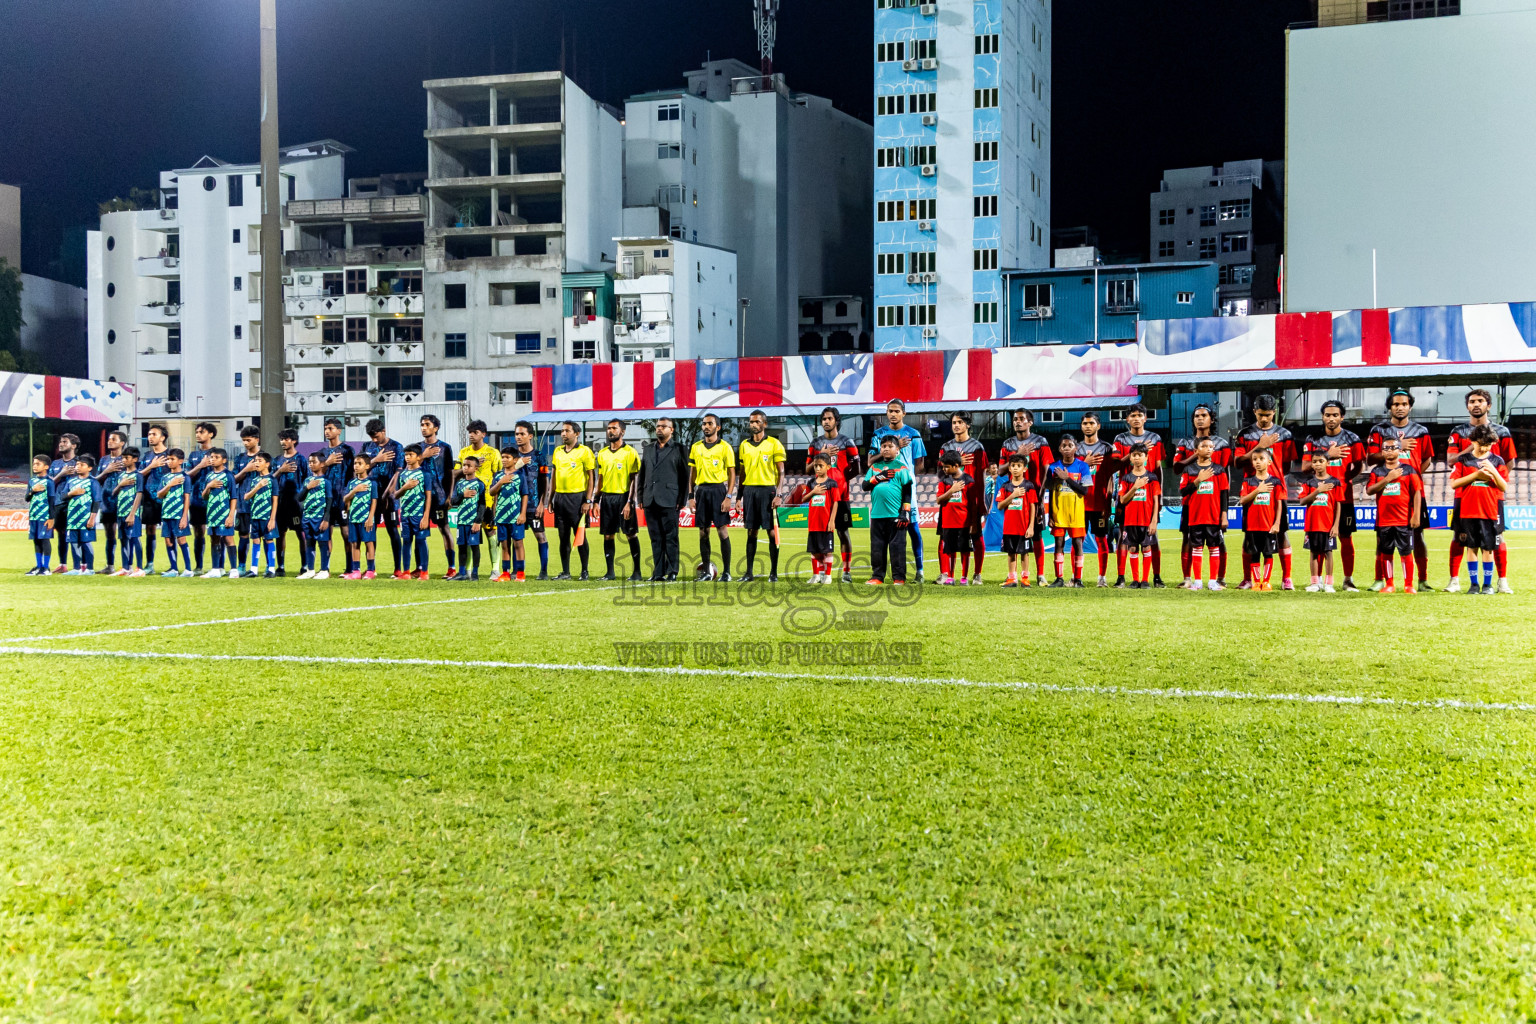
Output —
(273, 403)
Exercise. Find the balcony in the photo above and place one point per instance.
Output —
(1121, 308)
(164, 314)
(159, 220)
(157, 266)
(333, 401)
(400, 304)
(402, 397)
(358, 256)
(355, 352)
(319, 304)
(409, 207)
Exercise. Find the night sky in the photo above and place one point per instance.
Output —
(103, 94)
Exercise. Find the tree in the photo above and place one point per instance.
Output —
(138, 199)
(12, 358)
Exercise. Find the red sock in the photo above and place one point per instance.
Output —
(1039, 558)
(1408, 565)
(1120, 561)
(1157, 561)
(981, 550)
(1186, 555)
(943, 562)
(1210, 564)
(1136, 568)
(1501, 559)
(1061, 562)
(1248, 562)
(1269, 568)
(1255, 570)
(1421, 559)
(1103, 557)
(1285, 560)
(1347, 556)
(1457, 553)
(1077, 567)
(1384, 568)
(1221, 563)
(847, 561)
(965, 563)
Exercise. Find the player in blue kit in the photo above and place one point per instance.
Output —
(336, 464)
(61, 472)
(508, 514)
(386, 457)
(289, 471)
(175, 509)
(108, 473)
(39, 516)
(261, 507)
(416, 499)
(535, 483)
(466, 515)
(315, 519)
(151, 478)
(126, 496)
(82, 501)
(912, 454)
(193, 466)
(361, 499)
(437, 471)
(216, 485)
(244, 469)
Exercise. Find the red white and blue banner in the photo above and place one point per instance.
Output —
(35, 396)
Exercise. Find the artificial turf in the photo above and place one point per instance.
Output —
(214, 840)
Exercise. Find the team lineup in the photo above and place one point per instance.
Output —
(236, 513)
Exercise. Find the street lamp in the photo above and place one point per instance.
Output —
(273, 403)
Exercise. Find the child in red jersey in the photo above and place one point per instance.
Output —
(1399, 493)
(954, 518)
(1417, 452)
(1184, 456)
(1019, 500)
(1099, 457)
(1277, 442)
(1263, 501)
(1480, 480)
(1205, 486)
(1322, 497)
(1479, 403)
(1136, 420)
(1140, 497)
(826, 494)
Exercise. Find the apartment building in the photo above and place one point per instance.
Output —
(1229, 215)
(676, 300)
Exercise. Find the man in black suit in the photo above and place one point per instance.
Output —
(661, 489)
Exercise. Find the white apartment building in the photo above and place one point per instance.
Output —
(676, 300)
(353, 298)
(174, 293)
(782, 179)
(524, 183)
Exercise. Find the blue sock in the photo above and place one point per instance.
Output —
(371, 566)
(271, 549)
(506, 565)
(423, 551)
(517, 565)
(407, 550)
(1487, 574)
(170, 555)
(88, 556)
(325, 556)
(448, 553)
(917, 544)
(543, 556)
(186, 556)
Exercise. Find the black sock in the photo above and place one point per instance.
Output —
(773, 556)
(704, 548)
(474, 554)
(584, 551)
(725, 554)
(245, 545)
(608, 552)
(565, 550)
(199, 542)
(634, 552)
(752, 552)
(394, 543)
(463, 554)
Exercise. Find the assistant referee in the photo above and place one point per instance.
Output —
(573, 465)
(617, 464)
(711, 479)
(762, 481)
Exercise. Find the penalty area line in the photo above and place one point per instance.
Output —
(1160, 693)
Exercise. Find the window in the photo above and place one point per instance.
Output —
(661, 254)
(399, 332)
(209, 184)
(455, 296)
(112, 242)
(890, 316)
(923, 102)
(985, 312)
(331, 332)
(890, 51)
(236, 239)
(890, 211)
(357, 281)
(455, 391)
(1207, 216)
(891, 263)
(1184, 298)
(1120, 293)
(984, 259)
(922, 209)
(891, 156)
(890, 105)
(1208, 248)
(1236, 209)
(924, 261)
(925, 155)
(333, 379)
(357, 328)
(986, 98)
(669, 112)
(455, 346)
(1234, 241)
(984, 206)
(237, 334)
(239, 283)
(1052, 416)
(1236, 274)
(1037, 296)
(527, 344)
(986, 44)
(923, 49)
(397, 378)
(1165, 249)
(331, 286)
(357, 378)
(239, 378)
(173, 339)
(173, 387)
(522, 391)
(669, 151)
(523, 293)
(401, 282)
(1164, 217)
(236, 183)
(986, 151)
(584, 350)
(925, 315)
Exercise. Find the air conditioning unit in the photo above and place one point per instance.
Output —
(925, 225)
(910, 65)
(914, 278)
(1037, 313)
(172, 407)
(287, 376)
(309, 323)
(929, 170)
(171, 262)
(930, 63)
(930, 279)
(929, 10)
(930, 120)
(287, 282)
(620, 329)
(305, 279)
(930, 332)
(167, 214)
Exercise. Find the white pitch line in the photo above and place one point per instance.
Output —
(1170, 693)
(314, 611)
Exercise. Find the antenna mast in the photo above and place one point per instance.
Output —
(765, 16)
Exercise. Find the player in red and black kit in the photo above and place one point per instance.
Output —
(845, 464)
(1268, 436)
(974, 458)
(1136, 419)
(1100, 457)
(1263, 500)
(826, 494)
(1019, 499)
(1204, 420)
(1346, 460)
(955, 516)
(1205, 486)
(1140, 497)
(1399, 492)
(1037, 456)
(1480, 479)
(1418, 453)
(1479, 402)
(1321, 495)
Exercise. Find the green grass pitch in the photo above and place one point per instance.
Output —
(1069, 806)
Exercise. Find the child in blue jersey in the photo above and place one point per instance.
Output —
(413, 495)
(315, 513)
(126, 495)
(911, 452)
(261, 506)
(39, 516)
(82, 507)
(361, 500)
(508, 515)
(243, 467)
(175, 512)
(466, 514)
(217, 486)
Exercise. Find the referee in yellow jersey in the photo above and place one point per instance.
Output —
(711, 479)
(573, 465)
(762, 482)
(617, 464)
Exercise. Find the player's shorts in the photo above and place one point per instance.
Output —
(197, 515)
(506, 532)
(842, 519)
(259, 530)
(1017, 544)
(149, 510)
(1133, 537)
(361, 533)
(1347, 521)
(1075, 532)
(469, 537)
(439, 515)
(819, 542)
(757, 506)
(1261, 543)
(172, 529)
(1320, 542)
(567, 509)
(707, 501)
(80, 536)
(1479, 534)
(243, 524)
(1184, 518)
(290, 514)
(610, 509)
(1394, 540)
(312, 531)
(38, 529)
(1418, 531)
(220, 530)
(109, 514)
(956, 539)
(388, 512)
(1205, 535)
(411, 528)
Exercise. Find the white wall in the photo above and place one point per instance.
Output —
(594, 182)
(53, 315)
(1415, 139)
(10, 225)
